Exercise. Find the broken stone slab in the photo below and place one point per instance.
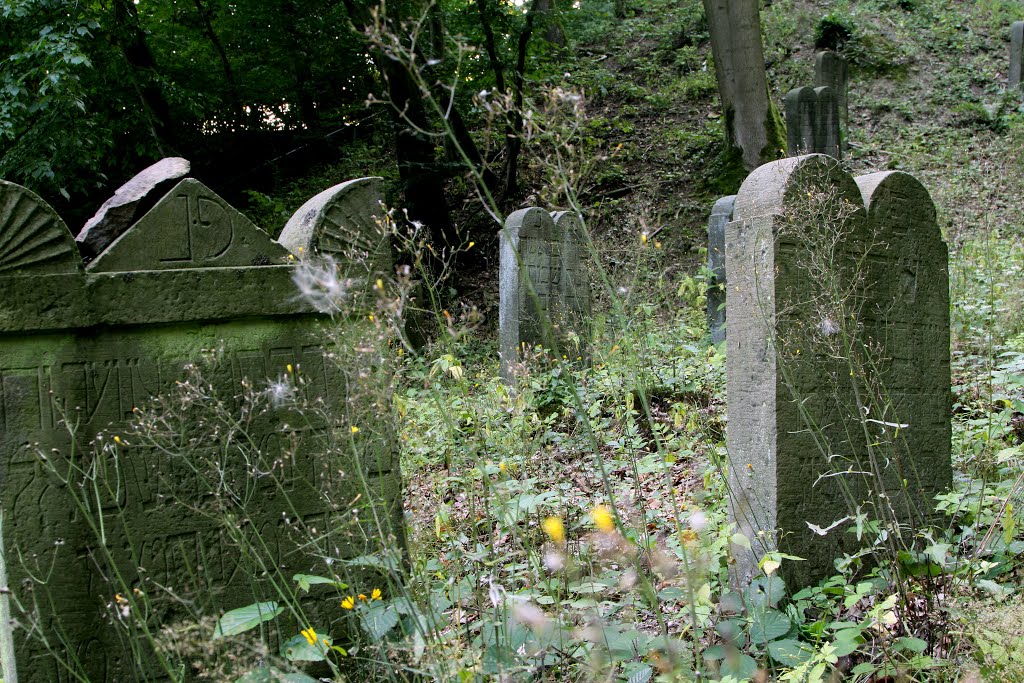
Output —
(130, 202)
(721, 214)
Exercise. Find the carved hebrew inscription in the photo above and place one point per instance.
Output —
(191, 227)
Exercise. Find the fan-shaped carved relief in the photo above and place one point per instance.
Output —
(343, 222)
(33, 238)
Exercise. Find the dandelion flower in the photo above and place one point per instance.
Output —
(310, 635)
(603, 519)
(555, 530)
(355, 430)
(349, 602)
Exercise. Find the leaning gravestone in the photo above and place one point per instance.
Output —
(721, 214)
(129, 203)
(310, 480)
(1016, 54)
(812, 122)
(819, 427)
(544, 297)
(830, 70)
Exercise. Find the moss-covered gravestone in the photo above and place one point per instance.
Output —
(838, 376)
(182, 433)
(812, 122)
(544, 295)
(830, 70)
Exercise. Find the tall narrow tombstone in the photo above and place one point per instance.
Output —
(819, 429)
(1016, 54)
(812, 122)
(830, 70)
(721, 214)
(573, 312)
(310, 476)
(544, 295)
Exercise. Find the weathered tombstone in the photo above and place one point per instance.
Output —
(343, 222)
(721, 214)
(573, 311)
(129, 203)
(819, 427)
(812, 122)
(310, 477)
(1016, 54)
(830, 70)
(543, 297)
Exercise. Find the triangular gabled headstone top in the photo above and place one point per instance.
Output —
(191, 227)
(33, 238)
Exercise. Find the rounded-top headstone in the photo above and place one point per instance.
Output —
(130, 202)
(33, 238)
(343, 222)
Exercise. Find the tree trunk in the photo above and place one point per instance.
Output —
(132, 41)
(229, 75)
(753, 128)
(514, 140)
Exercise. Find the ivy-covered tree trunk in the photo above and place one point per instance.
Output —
(754, 131)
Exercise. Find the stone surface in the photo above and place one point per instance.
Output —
(1016, 54)
(721, 214)
(80, 351)
(190, 227)
(817, 428)
(343, 222)
(573, 311)
(812, 122)
(830, 70)
(129, 203)
(544, 295)
(33, 238)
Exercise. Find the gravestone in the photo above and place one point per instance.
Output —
(1016, 54)
(544, 297)
(343, 222)
(812, 122)
(82, 351)
(721, 214)
(818, 428)
(830, 70)
(129, 203)
(572, 315)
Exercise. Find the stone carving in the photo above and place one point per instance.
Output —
(830, 70)
(344, 223)
(812, 122)
(721, 214)
(818, 428)
(191, 227)
(573, 311)
(129, 203)
(544, 297)
(1016, 54)
(82, 350)
(33, 238)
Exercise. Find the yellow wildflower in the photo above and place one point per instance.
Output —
(310, 635)
(349, 602)
(375, 594)
(503, 468)
(362, 596)
(554, 529)
(355, 430)
(603, 519)
(117, 440)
